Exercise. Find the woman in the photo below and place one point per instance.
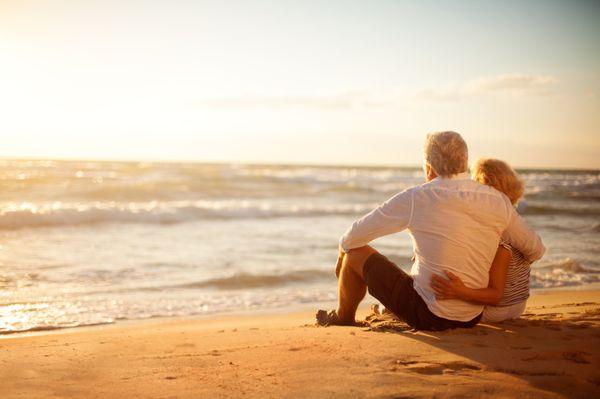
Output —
(508, 289)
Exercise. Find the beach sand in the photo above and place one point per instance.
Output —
(553, 351)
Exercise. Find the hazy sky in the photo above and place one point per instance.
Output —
(350, 82)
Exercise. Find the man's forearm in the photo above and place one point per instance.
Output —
(390, 217)
(522, 237)
(350, 240)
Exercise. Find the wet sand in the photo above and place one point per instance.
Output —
(553, 351)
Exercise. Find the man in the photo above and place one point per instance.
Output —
(455, 224)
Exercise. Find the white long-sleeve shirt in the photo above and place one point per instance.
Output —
(455, 224)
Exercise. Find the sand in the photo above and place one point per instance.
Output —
(554, 351)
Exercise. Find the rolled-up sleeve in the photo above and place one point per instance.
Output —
(392, 216)
(522, 237)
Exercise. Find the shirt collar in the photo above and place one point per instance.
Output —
(458, 176)
(461, 176)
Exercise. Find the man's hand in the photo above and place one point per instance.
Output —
(451, 288)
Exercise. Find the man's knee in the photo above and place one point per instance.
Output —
(357, 257)
(361, 252)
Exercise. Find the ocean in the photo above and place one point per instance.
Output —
(85, 243)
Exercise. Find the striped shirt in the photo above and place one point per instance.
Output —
(517, 278)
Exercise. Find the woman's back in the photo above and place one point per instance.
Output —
(516, 291)
(517, 279)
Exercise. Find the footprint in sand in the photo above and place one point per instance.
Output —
(550, 316)
(521, 348)
(529, 373)
(553, 327)
(188, 345)
(572, 356)
(401, 364)
(579, 326)
(576, 357)
(595, 380)
(442, 368)
(537, 357)
(295, 349)
(404, 362)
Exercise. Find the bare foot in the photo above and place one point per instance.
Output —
(331, 318)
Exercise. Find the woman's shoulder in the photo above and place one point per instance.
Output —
(505, 245)
(516, 255)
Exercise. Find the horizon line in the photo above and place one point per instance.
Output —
(268, 163)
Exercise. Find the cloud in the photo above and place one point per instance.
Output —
(509, 84)
(512, 84)
(347, 100)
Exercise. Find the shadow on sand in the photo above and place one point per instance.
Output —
(555, 349)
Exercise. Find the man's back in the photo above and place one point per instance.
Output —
(456, 226)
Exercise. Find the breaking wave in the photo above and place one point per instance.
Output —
(567, 272)
(539, 209)
(246, 280)
(60, 214)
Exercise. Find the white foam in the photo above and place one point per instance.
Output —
(15, 216)
(567, 272)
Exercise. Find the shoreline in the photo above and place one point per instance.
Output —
(249, 313)
(550, 352)
(269, 311)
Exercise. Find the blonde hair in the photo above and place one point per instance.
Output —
(498, 174)
(446, 153)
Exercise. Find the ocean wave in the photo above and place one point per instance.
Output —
(573, 194)
(61, 214)
(238, 281)
(567, 265)
(247, 280)
(543, 209)
(41, 328)
(84, 181)
(583, 227)
(79, 312)
(27, 215)
(567, 272)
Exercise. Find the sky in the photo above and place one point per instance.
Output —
(326, 82)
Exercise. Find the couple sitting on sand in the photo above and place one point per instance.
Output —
(472, 250)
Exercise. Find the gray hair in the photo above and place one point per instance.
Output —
(446, 153)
